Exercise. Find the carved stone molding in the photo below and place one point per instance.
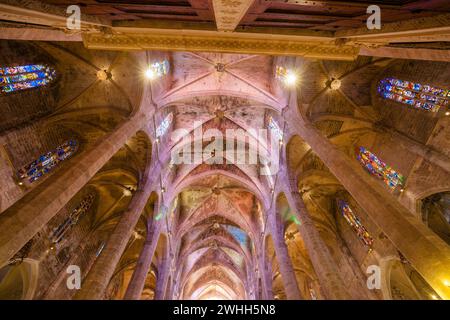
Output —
(229, 44)
(228, 13)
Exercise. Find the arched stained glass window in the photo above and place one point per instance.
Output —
(414, 94)
(355, 223)
(46, 162)
(25, 77)
(379, 169)
(280, 72)
(158, 69)
(275, 129)
(164, 125)
(83, 207)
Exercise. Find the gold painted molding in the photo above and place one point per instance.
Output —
(219, 42)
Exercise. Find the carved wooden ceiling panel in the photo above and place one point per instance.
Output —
(328, 15)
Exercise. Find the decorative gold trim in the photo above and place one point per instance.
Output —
(232, 43)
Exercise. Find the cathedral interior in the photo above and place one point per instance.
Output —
(224, 150)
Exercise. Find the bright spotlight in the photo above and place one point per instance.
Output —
(150, 73)
(290, 79)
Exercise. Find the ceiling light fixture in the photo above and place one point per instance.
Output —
(150, 73)
(103, 75)
(335, 84)
(290, 79)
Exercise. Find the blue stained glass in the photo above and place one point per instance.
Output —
(419, 96)
(25, 77)
(46, 162)
(159, 69)
(275, 129)
(164, 125)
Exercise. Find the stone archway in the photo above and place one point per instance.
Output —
(400, 281)
(435, 213)
(19, 281)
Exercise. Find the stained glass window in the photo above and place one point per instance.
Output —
(275, 129)
(379, 169)
(46, 162)
(164, 125)
(354, 222)
(416, 95)
(83, 207)
(280, 72)
(158, 69)
(25, 77)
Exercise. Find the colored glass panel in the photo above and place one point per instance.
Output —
(25, 77)
(83, 207)
(379, 169)
(164, 125)
(355, 223)
(46, 162)
(160, 68)
(416, 95)
(275, 129)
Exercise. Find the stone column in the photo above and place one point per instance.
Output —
(428, 254)
(176, 289)
(284, 261)
(252, 282)
(101, 272)
(162, 277)
(137, 281)
(265, 274)
(266, 278)
(326, 268)
(20, 222)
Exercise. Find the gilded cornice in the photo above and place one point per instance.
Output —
(231, 43)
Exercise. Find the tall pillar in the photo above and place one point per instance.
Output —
(20, 222)
(176, 289)
(265, 274)
(163, 277)
(284, 261)
(324, 265)
(252, 283)
(137, 282)
(428, 254)
(101, 272)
